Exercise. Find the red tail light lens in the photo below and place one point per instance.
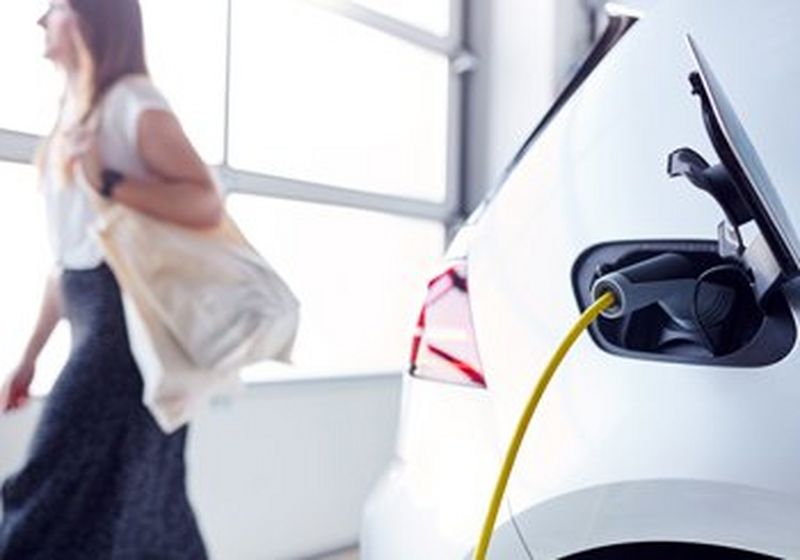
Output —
(444, 347)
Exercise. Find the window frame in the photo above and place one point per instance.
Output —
(460, 62)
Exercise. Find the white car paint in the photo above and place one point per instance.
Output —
(621, 450)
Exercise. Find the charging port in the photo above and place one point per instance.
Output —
(681, 301)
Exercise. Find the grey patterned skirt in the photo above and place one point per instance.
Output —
(101, 480)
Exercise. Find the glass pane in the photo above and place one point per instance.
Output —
(360, 277)
(321, 98)
(24, 249)
(31, 85)
(431, 15)
(186, 54)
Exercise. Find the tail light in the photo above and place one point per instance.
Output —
(444, 346)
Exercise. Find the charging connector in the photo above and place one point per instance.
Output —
(668, 279)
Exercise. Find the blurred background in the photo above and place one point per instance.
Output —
(352, 139)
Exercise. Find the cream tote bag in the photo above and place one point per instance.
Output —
(199, 305)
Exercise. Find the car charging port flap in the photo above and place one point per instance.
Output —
(741, 187)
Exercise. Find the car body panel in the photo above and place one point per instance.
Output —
(431, 501)
(598, 175)
(621, 449)
(737, 517)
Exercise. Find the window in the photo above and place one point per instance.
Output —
(27, 262)
(433, 15)
(324, 99)
(30, 90)
(333, 126)
(185, 41)
(358, 275)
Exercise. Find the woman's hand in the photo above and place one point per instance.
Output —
(15, 392)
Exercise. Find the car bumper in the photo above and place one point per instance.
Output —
(431, 501)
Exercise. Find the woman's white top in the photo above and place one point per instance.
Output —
(70, 213)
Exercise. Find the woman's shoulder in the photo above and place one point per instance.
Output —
(135, 91)
(126, 100)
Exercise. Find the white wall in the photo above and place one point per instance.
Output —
(281, 471)
(525, 50)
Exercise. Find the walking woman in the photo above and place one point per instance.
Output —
(101, 480)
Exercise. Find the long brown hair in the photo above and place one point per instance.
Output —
(110, 45)
(113, 34)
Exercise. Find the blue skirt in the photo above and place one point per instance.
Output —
(101, 481)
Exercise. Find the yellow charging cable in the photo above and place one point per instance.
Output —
(602, 303)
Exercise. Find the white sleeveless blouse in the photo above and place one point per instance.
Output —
(69, 211)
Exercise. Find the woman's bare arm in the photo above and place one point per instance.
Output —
(182, 190)
(14, 391)
(50, 312)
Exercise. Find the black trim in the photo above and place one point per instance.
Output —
(667, 551)
(617, 26)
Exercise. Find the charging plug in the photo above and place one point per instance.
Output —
(667, 279)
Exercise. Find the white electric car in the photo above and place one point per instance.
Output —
(672, 429)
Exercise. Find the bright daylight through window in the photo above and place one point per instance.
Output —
(325, 97)
(317, 97)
